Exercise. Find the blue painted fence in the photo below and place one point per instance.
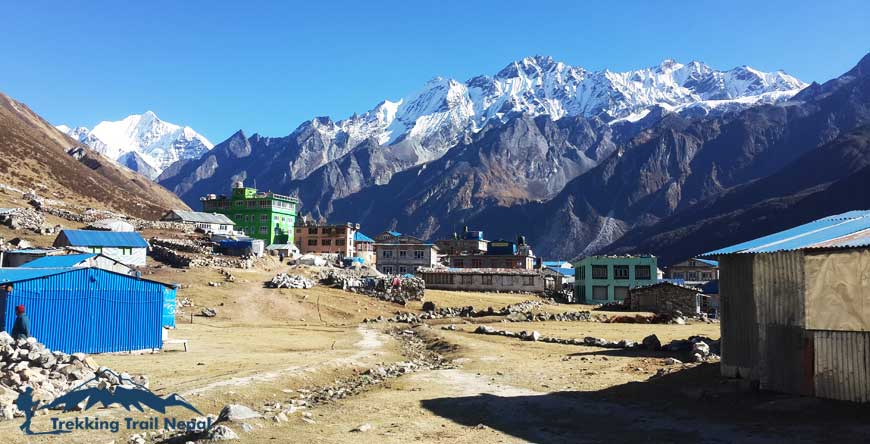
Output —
(90, 310)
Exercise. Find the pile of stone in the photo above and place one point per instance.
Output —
(184, 245)
(699, 348)
(537, 337)
(24, 219)
(381, 287)
(177, 259)
(284, 280)
(28, 363)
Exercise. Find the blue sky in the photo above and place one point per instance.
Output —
(267, 66)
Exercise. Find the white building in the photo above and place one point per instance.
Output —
(214, 223)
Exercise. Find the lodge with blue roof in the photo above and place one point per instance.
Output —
(128, 248)
(795, 308)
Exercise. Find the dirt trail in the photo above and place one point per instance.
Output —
(371, 341)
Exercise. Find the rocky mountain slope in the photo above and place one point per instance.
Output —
(681, 172)
(142, 142)
(37, 156)
(366, 150)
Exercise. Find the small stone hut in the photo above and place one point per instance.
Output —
(666, 298)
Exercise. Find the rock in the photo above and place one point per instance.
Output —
(222, 433)
(208, 312)
(237, 412)
(429, 306)
(280, 417)
(673, 361)
(284, 280)
(651, 342)
(483, 329)
(136, 439)
(362, 428)
(701, 348)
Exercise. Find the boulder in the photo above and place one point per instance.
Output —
(237, 412)
(652, 342)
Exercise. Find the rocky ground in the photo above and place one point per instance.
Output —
(300, 365)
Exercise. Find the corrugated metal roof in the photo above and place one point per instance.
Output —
(394, 233)
(67, 260)
(561, 270)
(708, 262)
(830, 232)
(86, 238)
(200, 217)
(359, 237)
(18, 274)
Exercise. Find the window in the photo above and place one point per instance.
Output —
(465, 279)
(476, 263)
(679, 275)
(325, 242)
(599, 293)
(340, 242)
(96, 250)
(312, 242)
(439, 278)
(251, 204)
(298, 231)
(693, 275)
(388, 253)
(403, 270)
(264, 229)
(388, 270)
(642, 272)
(486, 279)
(264, 218)
(599, 272)
(528, 280)
(458, 263)
(419, 254)
(126, 251)
(265, 204)
(620, 293)
(620, 271)
(223, 227)
(403, 253)
(707, 275)
(582, 293)
(312, 230)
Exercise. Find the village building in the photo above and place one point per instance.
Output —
(693, 271)
(667, 298)
(364, 248)
(214, 223)
(465, 243)
(399, 253)
(111, 225)
(127, 248)
(122, 312)
(267, 216)
(794, 308)
(490, 279)
(498, 254)
(603, 279)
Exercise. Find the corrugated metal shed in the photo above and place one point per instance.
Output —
(86, 238)
(68, 260)
(87, 309)
(199, 217)
(822, 233)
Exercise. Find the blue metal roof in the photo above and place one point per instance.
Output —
(565, 271)
(394, 233)
(89, 238)
(359, 237)
(62, 261)
(18, 274)
(821, 233)
(708, 262)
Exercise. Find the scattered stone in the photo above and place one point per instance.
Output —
(208, 312)
(222, 433)
(652, 342)
(237, 412)
(673, 361)
(362, 428)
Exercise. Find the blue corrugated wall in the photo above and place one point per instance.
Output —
(90, 310)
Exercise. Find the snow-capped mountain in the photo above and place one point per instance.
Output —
(142, 142)
(444, 109)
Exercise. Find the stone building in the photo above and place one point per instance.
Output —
(490, 279)
(666, 298)
(399, 253)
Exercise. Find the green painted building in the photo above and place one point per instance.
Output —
(267, 216)
(602, 279)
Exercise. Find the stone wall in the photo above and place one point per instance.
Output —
(664, 299)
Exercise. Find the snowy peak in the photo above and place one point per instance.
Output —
(156, 143)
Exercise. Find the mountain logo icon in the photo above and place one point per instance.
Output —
(129, 394)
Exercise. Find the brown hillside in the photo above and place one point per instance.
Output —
(34, 155)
